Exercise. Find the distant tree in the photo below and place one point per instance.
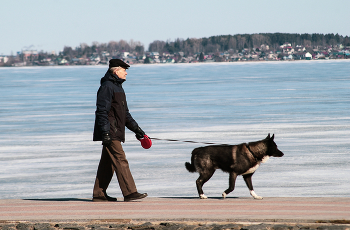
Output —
(85, 49)
(346, 41)
(124, 46)
(232, 43)
(241, 41)
(307, 43)
(337, 38)
(332, 42)
(201, 57)
(156, 46)
(68, 51)
(192, 46)
(177, 45)
(147, 60)
(139, 49)
(95, 47)
(169, 48)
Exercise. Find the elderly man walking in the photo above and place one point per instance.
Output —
(112, 116)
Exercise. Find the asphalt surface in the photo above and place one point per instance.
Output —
(281, 209)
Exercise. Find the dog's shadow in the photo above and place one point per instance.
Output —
(197, 198)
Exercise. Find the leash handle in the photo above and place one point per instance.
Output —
(207, 143)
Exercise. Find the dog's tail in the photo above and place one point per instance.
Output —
(190, 167)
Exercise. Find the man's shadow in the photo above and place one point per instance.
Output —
(61, 199)
(121, 200)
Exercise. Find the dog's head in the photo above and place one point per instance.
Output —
(272, 149)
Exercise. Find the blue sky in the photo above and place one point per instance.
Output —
(49, 25)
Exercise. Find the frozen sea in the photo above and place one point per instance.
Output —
(47, 118)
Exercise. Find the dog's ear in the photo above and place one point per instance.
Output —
(273, 136)
(268, 136)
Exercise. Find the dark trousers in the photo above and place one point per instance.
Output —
(113, 160)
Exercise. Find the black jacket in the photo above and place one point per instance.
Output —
(112, 113)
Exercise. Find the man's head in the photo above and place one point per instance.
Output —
(118, 67)
(118, 63)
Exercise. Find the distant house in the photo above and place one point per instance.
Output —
(254, 56)
(272, 56)
(170, 60)
(288, 57)
(30, 55)
(75, 61)
(4, 59)
(300, 48)
(264, 47)
(17, 63)
(155, 55)
(297, 56)
(105, 54)
(63, 62)
(285, 45)
(288, 50)
(125, 54)
(308, 56)
(320, 56)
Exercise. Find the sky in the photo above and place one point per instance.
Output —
(49, 25)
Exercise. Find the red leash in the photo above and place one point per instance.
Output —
(207, 143)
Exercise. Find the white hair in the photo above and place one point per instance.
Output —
(115, 69)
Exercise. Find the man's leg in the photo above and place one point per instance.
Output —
(104, 174)
(121, 167)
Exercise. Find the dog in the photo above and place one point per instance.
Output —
(242, 159)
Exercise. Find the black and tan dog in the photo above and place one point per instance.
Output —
(241, 159)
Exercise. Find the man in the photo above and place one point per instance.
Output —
(112, 115)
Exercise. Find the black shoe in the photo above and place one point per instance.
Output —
(135, 196)
(104, 199)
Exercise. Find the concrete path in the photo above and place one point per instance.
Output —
(307, 210)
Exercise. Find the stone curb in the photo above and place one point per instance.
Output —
(171, 225)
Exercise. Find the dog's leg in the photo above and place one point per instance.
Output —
(203, 177)
(255, 196)
(248, 180)
(232, 182)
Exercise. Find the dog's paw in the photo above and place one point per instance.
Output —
(255, 196)
(202, 196)
(224, 195)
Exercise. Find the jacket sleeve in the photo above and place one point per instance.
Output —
(130, 123)
(103, 105)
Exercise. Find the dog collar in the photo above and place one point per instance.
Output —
(255, 157)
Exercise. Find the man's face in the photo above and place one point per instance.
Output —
(122, 73)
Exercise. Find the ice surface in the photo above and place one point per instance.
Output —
(47, 119)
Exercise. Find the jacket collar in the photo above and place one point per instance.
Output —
(112, 77)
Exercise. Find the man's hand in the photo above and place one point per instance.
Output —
(106, 139)
(139, 133)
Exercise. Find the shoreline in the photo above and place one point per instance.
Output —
(195, 63)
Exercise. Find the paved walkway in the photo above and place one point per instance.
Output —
(307, 210)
